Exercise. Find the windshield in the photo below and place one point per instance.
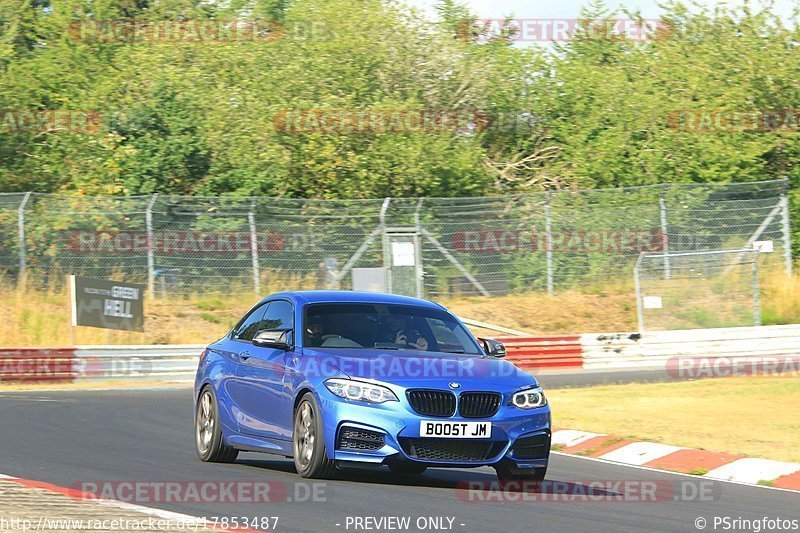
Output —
(388, 327)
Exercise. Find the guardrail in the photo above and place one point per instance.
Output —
(596, 351)
(128, 363)
(656, 349)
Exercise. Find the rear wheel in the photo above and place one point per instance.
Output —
(208, 430)
(310, 458)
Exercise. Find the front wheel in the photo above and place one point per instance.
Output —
(310, 458)
(208, 431)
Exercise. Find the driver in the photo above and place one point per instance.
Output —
(411, 337)
(314, 334)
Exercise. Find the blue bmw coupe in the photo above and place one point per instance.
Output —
(338, 379)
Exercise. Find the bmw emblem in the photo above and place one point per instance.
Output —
(454, 385)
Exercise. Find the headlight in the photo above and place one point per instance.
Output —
(360, 391)
(529, 398)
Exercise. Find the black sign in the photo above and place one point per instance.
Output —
(107, 304)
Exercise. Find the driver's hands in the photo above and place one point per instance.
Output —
(421, 344)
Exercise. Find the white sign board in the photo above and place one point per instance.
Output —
(652, 302)
(764, 247)
(403, 254)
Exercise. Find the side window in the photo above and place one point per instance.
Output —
(446, 338)
(250, 325)
(279, 315)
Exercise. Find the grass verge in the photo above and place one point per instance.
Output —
(753, 416)
(41, 318)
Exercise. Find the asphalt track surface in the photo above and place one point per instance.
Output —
(68, 437)
(562, 379)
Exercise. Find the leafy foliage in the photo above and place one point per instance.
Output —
(199, 118)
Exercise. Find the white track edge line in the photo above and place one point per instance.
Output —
(651, 469)
(150, 511)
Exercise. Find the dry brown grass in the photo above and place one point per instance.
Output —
(41, 318)
(563, 313)
(780, 299)
(705, 414)
(35, 318)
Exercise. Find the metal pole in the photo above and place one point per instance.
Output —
(73, 309)
(665, 238)
(387, 252)
(637, 284)
(787, 235)
(251, 219)
(151, 264)
(22, 277)
(548, 245)
(756, 291)
(419, 271)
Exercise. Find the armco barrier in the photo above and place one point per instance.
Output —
(135, 363)
(177, 362)
(593, 351)
(653, 349)
(37, 364)
(541, 353)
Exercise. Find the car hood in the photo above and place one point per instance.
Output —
(411, 368)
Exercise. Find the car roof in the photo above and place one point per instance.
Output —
(330, 296)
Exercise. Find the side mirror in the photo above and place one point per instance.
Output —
(280, 339)
(493, 348)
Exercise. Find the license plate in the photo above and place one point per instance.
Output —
(455, 430)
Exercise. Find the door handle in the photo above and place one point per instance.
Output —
(244, 356)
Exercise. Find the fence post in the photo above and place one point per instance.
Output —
(756, 291)
(638, 287)
(665, 236)
(549, 245)
(251, 220)
(151, 264)
(23, 275)
(786, 233)
(419, 270)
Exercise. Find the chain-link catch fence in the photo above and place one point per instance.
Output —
(430, 247)
(686, 290)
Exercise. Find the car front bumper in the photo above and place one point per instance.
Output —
(400, 428)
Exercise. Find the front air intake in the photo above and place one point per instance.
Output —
(359, 439)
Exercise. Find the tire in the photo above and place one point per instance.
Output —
(308, 441)
(407, 468)
(208, 430)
